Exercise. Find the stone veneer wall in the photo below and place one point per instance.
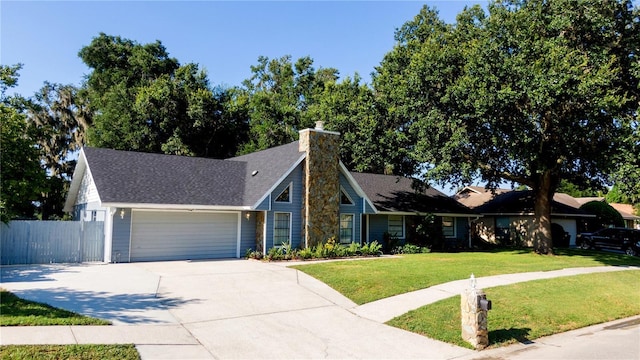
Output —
(321, 190)
(260, 219)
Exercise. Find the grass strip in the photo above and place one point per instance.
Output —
(364, 281)
(530, 310)
(69, 352)
(15, 311)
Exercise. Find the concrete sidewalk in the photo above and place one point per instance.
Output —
(386, 309)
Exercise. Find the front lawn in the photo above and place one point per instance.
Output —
(69, 352)
(15, 311)
(364, 281)
(534, 309)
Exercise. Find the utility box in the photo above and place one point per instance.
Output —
(474, 307)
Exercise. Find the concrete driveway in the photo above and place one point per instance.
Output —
(229, 309)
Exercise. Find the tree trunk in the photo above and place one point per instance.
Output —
(543, 196)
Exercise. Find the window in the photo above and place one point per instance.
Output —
(396, 226)
(345, 199)
(448, 229)
(281, 228)
(285, 195)
(346, 228)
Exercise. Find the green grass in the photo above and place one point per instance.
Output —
(364, 281)
(534, 309)
(69, 352)
(15, 311)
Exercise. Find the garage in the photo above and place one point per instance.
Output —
(569, 225)
(183, 235)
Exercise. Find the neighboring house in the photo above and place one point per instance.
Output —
(626, 211)
(507, 215)
(166, 207)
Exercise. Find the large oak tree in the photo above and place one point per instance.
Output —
(144, 100)
(530, 92)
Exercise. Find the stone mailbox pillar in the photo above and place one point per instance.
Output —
(473, 310)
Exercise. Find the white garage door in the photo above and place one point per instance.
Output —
(569, 225)
(163, 235)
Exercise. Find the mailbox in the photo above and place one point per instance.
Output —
(484, 304)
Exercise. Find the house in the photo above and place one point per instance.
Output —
(166, 207)
(507, 215)
(625, 210)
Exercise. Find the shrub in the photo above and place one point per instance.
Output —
(390, 241)
(353, 249)
(275, 253)
(410, 249)
(251, 254)
(306, 253)
(606, 215)
(371, 249)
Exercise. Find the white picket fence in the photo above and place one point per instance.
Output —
(47, 242)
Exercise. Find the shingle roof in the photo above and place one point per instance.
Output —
(271, 165)
(144, 178)
(474, 196)
(134, 177)
(398, 194)
(521, 202)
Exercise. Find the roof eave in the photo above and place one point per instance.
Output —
(174, 206)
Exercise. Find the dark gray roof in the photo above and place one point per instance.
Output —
(134, 177)
(401, 194)
(271, 165)
(521, 202)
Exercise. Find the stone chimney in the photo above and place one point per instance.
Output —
(321, 184)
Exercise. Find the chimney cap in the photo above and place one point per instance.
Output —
(320, 125)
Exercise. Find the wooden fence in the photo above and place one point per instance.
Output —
(46, 242)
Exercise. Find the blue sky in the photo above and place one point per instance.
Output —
(224, 37)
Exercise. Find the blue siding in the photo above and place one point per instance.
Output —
(355, 209)
(264, 205)
(462, 229)
(378, 225)
(121, 237)
(368, 209)
(248, 235)
(294, 207)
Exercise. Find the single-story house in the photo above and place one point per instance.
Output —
(625, 210)
(507, 215)
(165, 207)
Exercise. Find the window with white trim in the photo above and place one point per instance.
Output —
(285, 195)
(281, 228)
(346, 228)
(448, 226)
(396, 226)
(345, 199)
